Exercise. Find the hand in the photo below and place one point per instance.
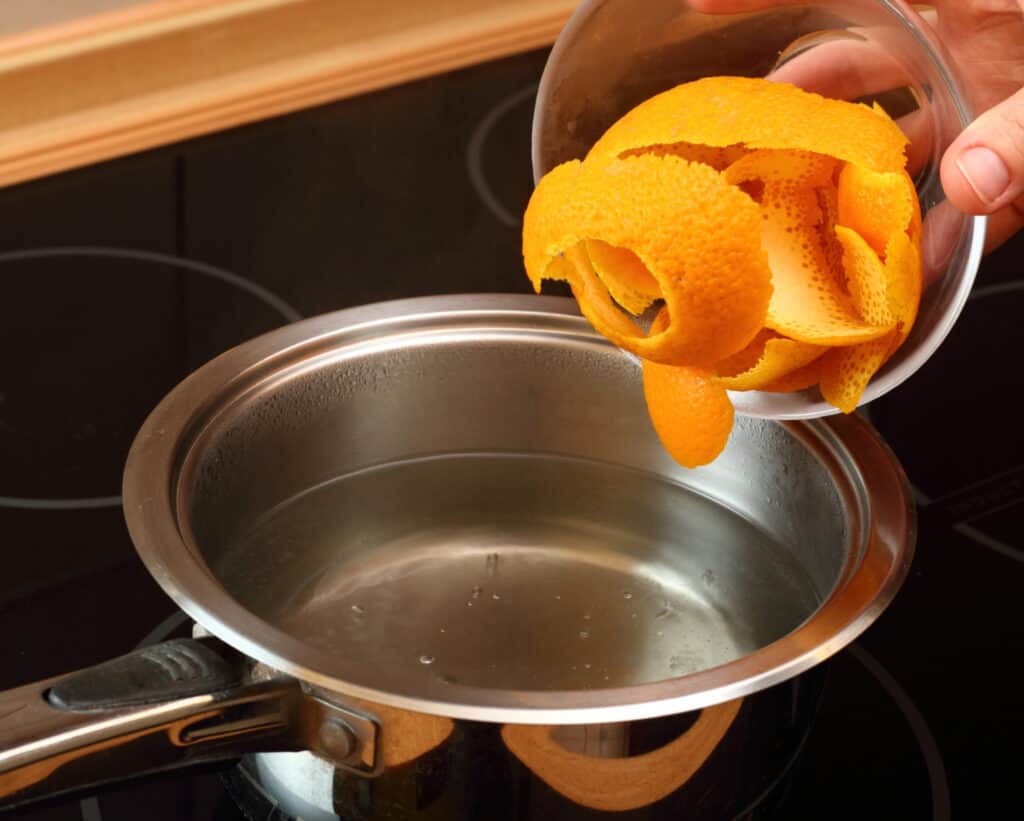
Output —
(983, 170)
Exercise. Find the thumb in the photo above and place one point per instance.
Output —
(983, 170)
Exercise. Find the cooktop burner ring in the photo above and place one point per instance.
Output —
(270, 299)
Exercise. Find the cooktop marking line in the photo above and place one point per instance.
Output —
(287, 312)
(475, 155)
(941, 803)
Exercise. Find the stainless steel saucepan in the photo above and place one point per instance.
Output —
(435, 551)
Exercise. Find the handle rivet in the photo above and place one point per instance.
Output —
(337, 739)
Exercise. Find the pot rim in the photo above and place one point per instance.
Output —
(863, 465)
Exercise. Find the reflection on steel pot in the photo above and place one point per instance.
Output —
(436, 553)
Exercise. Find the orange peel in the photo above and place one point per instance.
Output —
(845, 372)
(828, 202)
(798, 168)
(808, 303)
(779, 229)
(876, 205)
(547, 228)
(866, 278)
(718, 158)
(690, 412)
(774, 358)
(697, 236)
(903, 283)
(724, 111)
(627, 279)
(801, 379)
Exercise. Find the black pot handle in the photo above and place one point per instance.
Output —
(183, 702)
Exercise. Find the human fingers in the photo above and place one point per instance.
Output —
(844, 69)
(983, 170)
(942, 229)
(738, 6)
(1004, 224)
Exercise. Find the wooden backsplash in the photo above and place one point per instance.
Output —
(87, 89)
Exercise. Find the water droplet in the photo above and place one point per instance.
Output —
(586, 666)
(495, 596)
(442, 629)
(425, 659)
(584, 634)
(632, 615)
(674, 663)
(660, 633)
(358, 609)
(586, 617)
(558, 598)
(627, 594)
(492, 563)
(469, 604)
(708, 576)
(477, 590)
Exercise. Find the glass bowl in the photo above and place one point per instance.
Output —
(613, 54)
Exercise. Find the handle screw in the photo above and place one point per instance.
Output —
(337, 739)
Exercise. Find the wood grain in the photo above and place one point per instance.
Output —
(165, 71)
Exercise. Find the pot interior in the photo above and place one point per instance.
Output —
(485, 503)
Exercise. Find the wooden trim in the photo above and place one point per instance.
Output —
(74, 35)
(146, 76)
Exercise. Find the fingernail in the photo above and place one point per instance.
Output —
(985, 172)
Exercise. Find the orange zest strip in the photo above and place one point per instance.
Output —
(808, 303)
(876, 205)
(627, 279)
(776, 358)
(724, 111)
(697, 236)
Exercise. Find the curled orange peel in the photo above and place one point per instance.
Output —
(876, 205)
(808, 303)
(627, 279)
(697, 236)
(778, 230)
(774, 357)
(903, 282)
(725, 111)
(845, 372)
(690, 411)
(801, 169)
(718, 158)
(799, 380)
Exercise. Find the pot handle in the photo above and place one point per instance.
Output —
(186, 701)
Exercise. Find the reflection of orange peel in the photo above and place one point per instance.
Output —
(779, 229)
(618, 785)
